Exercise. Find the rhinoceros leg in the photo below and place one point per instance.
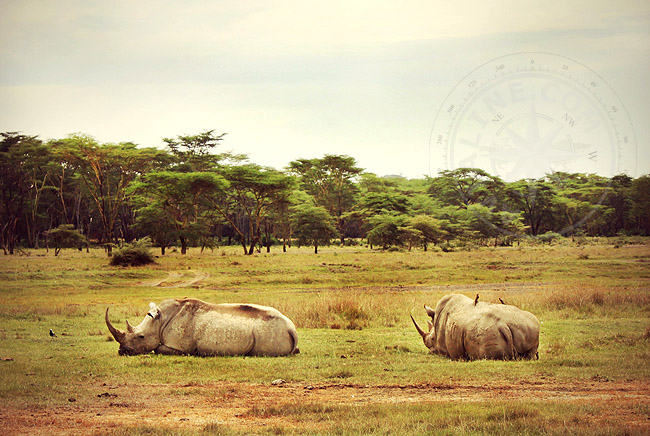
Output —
(162, 349)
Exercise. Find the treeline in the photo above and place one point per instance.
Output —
(70, 191)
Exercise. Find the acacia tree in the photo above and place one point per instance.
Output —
(465, 186)
(429, 228)
(65, 236)
(153, 221)
(579, 201)
(534, 198)
(39, 166)
(487, 223)
(386, 230)
(17, 154)
(640, 210)
(331, 181)
(196, 153)
(182, 196)
(619, 201)
(312, 225)
(106, 171)
(252, 191)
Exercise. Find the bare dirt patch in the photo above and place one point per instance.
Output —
(195, 406)
(179, 279)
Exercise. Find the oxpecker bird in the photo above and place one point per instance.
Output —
(501, 300)
(476, 300)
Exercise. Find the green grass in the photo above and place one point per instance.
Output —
(352, 310)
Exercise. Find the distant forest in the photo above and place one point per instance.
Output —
(74, 191)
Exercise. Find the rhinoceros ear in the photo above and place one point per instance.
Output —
(430, 312)
(154, 311)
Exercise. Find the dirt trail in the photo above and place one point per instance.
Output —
(179, 279)
(226, 403)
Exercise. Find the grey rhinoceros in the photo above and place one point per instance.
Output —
(194, 327)
(463, 328)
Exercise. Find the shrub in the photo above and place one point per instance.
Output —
(134, 254)
(65, 236)
(548, 237)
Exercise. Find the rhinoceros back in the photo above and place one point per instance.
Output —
(229, 329)
(476, 331)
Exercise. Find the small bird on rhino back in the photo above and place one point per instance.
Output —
(462, 328)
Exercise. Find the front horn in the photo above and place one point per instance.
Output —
(117, 334)
(418, 328)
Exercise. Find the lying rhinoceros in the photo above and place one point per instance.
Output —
(462, 328)
(195, 327)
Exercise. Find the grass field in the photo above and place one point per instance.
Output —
(362, 368)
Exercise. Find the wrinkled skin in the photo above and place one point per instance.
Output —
(143, 338)
(462, 328)
(194, 327)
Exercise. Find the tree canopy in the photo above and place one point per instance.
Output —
(193, 194)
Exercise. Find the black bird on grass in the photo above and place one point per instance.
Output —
(52, 334)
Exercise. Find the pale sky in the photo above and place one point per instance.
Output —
(300, 79)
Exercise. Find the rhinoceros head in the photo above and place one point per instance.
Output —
(141, 339)
(428, 338)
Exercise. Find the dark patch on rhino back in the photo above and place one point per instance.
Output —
(243, 310)
(252, 312)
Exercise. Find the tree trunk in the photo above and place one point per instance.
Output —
(315, 249)
(183, 244)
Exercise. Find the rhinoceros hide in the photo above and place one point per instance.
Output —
(463, 328)
(194, 327)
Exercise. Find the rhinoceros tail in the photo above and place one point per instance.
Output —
(294, 339)
(509, 352)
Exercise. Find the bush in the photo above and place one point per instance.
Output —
(135, 254)
(65, 236)
(548, 237)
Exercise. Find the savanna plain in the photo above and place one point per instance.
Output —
(362, 369)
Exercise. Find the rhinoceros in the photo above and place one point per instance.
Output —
(194, 327)
(462, 328)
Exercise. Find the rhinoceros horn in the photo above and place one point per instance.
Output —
(129, 327)
(418, 328)
(117, 334)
